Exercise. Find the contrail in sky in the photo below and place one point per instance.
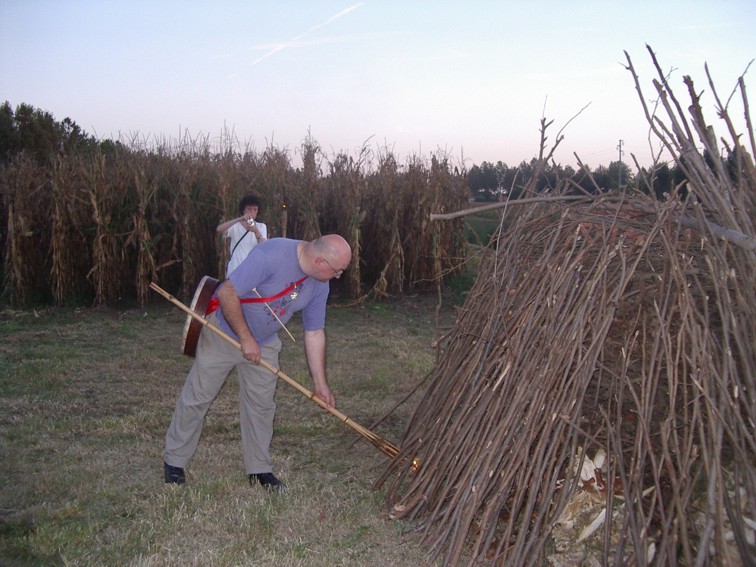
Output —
(293, 41)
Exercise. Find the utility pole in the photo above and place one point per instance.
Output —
(619, 147)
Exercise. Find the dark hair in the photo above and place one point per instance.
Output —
(247, 201)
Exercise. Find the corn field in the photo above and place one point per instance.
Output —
(98, 227)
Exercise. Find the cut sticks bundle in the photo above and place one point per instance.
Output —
(376, 440)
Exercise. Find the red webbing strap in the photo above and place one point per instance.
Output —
(215, 303)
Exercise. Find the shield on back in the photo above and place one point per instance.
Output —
(193, 327)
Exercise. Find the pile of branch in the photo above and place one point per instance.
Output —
(595, 402)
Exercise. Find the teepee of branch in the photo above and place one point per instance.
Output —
(595, 401)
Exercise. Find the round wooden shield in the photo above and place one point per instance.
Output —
(193, 327)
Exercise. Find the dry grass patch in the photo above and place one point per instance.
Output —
(85, 400)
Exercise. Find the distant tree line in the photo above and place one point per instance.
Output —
(36, 133)
(489, 182)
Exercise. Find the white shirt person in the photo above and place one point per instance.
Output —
(244, 232)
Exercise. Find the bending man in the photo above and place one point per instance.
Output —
(291, 275)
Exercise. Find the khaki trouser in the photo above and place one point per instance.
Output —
(215, 358)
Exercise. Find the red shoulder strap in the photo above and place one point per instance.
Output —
(215, 303)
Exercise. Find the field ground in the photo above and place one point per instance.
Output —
(479, 226)
(87, 394)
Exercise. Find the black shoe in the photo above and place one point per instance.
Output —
(268, 481)
(173, 475)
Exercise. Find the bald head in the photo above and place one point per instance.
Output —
(326, 257)
(333, 247)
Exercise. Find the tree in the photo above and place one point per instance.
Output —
(619, 175)
(38, 133)
(483, 182)
(663, 181)
(7, 137)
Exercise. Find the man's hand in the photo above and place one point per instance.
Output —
(326, 395)
(250, 349)
(232, 311)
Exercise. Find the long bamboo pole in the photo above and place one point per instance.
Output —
(376, 440)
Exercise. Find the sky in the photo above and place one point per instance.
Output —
(469, 80)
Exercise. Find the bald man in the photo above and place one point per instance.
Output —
(290, 275)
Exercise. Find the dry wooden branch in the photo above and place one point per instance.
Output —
(508, 203)
(600, 327)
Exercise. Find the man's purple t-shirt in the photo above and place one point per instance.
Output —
(270, 268)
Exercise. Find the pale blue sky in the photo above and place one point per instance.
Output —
(471, 78)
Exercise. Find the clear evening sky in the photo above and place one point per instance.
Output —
(468, 78)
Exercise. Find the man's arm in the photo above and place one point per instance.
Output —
(223, 227)
(232, 311)
(315, 349)
(263, 232)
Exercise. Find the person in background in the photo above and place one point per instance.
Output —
(290, 276)
(244, 232)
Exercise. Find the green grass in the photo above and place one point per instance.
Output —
(87, 395)
(480, 226)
